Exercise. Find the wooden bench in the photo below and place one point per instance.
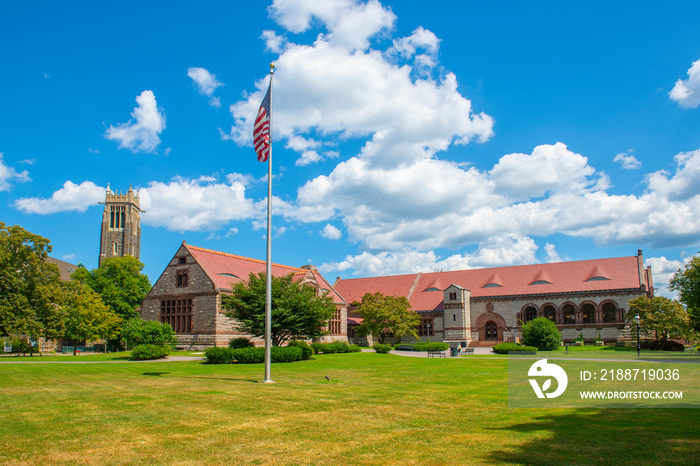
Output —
(404, 348)
(432, 353)
(465, 351)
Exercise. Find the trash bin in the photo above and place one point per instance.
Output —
(453, 351)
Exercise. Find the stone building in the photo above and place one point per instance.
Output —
(187, 295)
(121, 225)
(585, 299)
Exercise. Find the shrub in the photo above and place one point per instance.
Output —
(379, 348)
(440, 346)
(250, 355)
(286, 354)
(335, 347)
(305, 348)
(137, 332)
(541, 333)
(240, 342)
(219, 355)
(145, 352)
(505, 348)
(319, 348)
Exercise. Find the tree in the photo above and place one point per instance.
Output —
(147, 332)
(386, 316)
(298, 313)
(687, 282)
(120, 284)
(27, 283)
(541, 333)
(665, 318)
(85, 316)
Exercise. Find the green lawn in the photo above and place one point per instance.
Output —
(376, 409)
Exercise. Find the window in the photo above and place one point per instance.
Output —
(181, 260)
(549, 312)
(335, 326)
(609, 313)
(588, 312)
(178, 314)
(426, 327)
(569, 314)
(492, 285)
(541, 282)
(452, 296)
(530, 313)
(432, 289)
(181, 278)
(597, 279)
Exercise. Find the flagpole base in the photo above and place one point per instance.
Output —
(268, 381)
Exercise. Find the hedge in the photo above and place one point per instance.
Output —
(251, 355)
(240, 342)
(430, 346)
(505, 348)
(335, 347)
(146, 352)
(379, 348)
(307, 351)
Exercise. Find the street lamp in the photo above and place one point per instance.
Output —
(636, 320)
(428, 326)
(514, 330)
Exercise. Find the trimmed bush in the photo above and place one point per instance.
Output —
(146, 352)
(286, 354)
(219, 355)
(541, 333)
(136, 332)
(335, 347)
(240, 342)
(379, 348)
(305, 348)
(249, 355)
(505, 348)
(440, 346)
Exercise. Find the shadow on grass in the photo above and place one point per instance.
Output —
(155, 374)
(605, 436)
(233, 379)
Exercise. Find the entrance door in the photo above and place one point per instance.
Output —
(491, 331)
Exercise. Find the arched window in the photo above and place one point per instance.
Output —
(530, 313)
(609, 313)
(569, 314)
(588, 312)
(549, 312)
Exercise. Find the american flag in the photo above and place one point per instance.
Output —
(261, 131)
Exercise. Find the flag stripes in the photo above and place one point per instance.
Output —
(261, 130)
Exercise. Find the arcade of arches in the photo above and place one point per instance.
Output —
(568, 313)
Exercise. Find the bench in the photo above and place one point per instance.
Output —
(404, 348)
(465, 351)
(435, 353)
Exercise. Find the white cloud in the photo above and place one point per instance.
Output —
(71, 197)
(627, 160)
(206, 84)
(68, 257)
(201, 204)
(142, 134)
(8, 174)
(687, 93)
(662, 271)
(331, 232)
(330, 89)
(552, 254)
(273, 42)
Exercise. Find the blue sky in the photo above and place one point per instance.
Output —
(408, 136)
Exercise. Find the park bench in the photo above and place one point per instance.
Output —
(466, 351)
(432, 353)
(405, 348)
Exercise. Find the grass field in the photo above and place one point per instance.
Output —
(376, 409)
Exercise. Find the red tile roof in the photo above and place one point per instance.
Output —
(224, 268)
(563, 277)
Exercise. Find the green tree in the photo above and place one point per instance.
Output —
(27, 283)
(298, 313)
(120, 284)
(85, 316)
(687, 282)
(665, 318)
(541, 333)
(386, 316)
(147, 332)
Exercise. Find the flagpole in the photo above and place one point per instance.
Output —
(268, 263)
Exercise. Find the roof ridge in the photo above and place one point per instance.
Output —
(235, 256)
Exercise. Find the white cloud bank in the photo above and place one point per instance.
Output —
(206, 83)
(141, 134)
(71, 197)
(8, 174)
(687, 92)
(340, 86)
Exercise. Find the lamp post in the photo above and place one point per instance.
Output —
(636, 320)
(428, 326)
(515, 328)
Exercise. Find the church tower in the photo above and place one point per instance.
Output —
(121, 225)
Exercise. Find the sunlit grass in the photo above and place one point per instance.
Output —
(375, 409)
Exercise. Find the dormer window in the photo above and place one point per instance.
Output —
(432, 289)
(541, 282)
(492, 285)
(597, 279)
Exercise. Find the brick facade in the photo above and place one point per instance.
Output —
(120, 234)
